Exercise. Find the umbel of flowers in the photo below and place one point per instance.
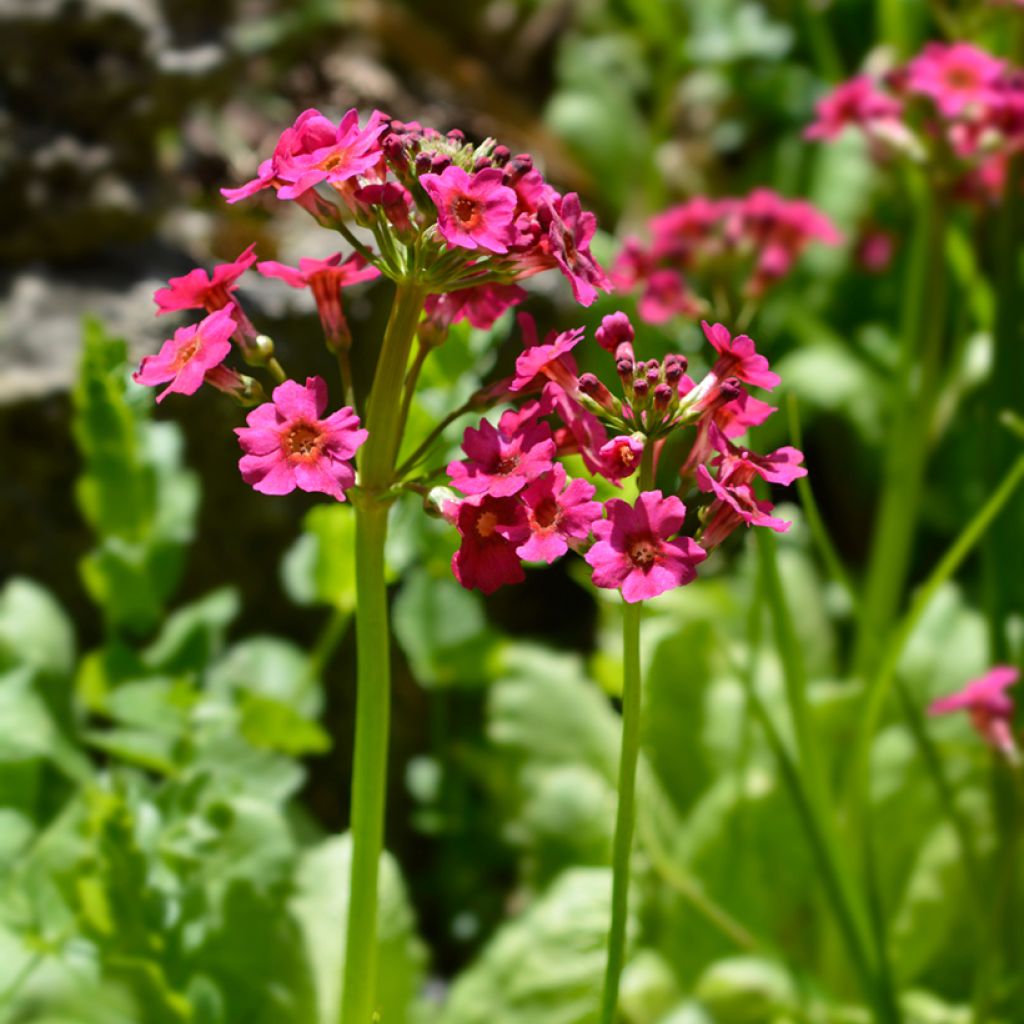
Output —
(519, 504)
(954, 108)
(727, 252)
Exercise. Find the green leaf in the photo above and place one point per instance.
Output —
(320, 905)
(268, 666)
(193, 635)
(34, 630)
(269, 724)
(443, 630)
(746, 990)
(545, 967)
(320, 567)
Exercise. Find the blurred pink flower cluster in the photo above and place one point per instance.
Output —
(954, 107)
(989, 705)
(704, 248)
(520, 504)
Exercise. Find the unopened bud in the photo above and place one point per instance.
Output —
(624, 368)
(730, 388)
(457, 135)
(615, 329)
(482, 163)
(440, 163)
(501, 155)
(641, 387)
(662, 396)
(423, 163)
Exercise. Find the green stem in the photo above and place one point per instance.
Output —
(276, 371)
(625, 815)
(421, 451)
(345, 372)
(373, 649)
(908, 441)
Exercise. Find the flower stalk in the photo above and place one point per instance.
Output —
(373, 673)
(625, 817)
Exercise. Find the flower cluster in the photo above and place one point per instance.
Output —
(456, 215)
(519, 503)
(954, 108)
(718, 247)
(462, 222)
(989, 705)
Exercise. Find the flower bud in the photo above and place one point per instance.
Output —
(614, 330)
(482, 163)
(423, 161)
(501, 155)
(663, 395)
(440, 163)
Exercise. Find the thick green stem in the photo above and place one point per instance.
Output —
(906, 449)
(373, 674)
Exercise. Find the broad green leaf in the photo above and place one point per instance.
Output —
(270, 724)
(268, 666)
(746, 990)
(320, 905)
(193, 635)
(34, 630)
(320, 567)
(545, 967)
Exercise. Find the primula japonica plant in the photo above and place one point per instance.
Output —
(519, 503)
(455, 226)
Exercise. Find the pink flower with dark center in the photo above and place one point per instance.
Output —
(313, 150)
(954, 76)
(568, 239)
(736, 417)
(185, 359)
(739, 464)
(856, 102)
(481, 305)
(199, 290)
(490, 528)
(988, 704)
(737, 357)
(473, 211)
(289, 445)
(557, 515)
(735, 504)
(325, 278)
(620, 457)
(501, 464)
(635, 552)
(550, 360)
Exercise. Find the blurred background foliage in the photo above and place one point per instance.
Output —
(176, 667)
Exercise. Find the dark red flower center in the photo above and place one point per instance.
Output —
(466, 211)
(507, 464)
(642, 551)
(545, 514)
(188, 352)
(303, 440)
(961, 77)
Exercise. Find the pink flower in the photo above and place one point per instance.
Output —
(185, 359)
(288, 445)
(620, 457)
(481, 305)
(472, 211)
(502, 464)
(665, 296)
(856, 102)
(739, 415)
(549, 360)
(557, 514)
(568, 239)
(199, 290)
(955, 76)
(490, 529)
(634, 552)
(325, 278)
(739, 464)
(735, 504)
(875, 250)
(988, 704)
(314, 150)
(738, 358)
(615, 330)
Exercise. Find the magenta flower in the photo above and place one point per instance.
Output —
(856, 102)
(314, 150)
(556, 515)
(954, 76)
(288, 445)
(199, 290)
(502, 464)
(185, 359)
(620, 457)
(739, 415)
(737, 357)
(739, 464)
(988, 704)
(490, 529)
(473, 211)
(634, 552)
(568, 238)
(549, 360)
(325, 278)
(665, 296)
(735, 504)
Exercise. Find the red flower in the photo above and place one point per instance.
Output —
(490, 528)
